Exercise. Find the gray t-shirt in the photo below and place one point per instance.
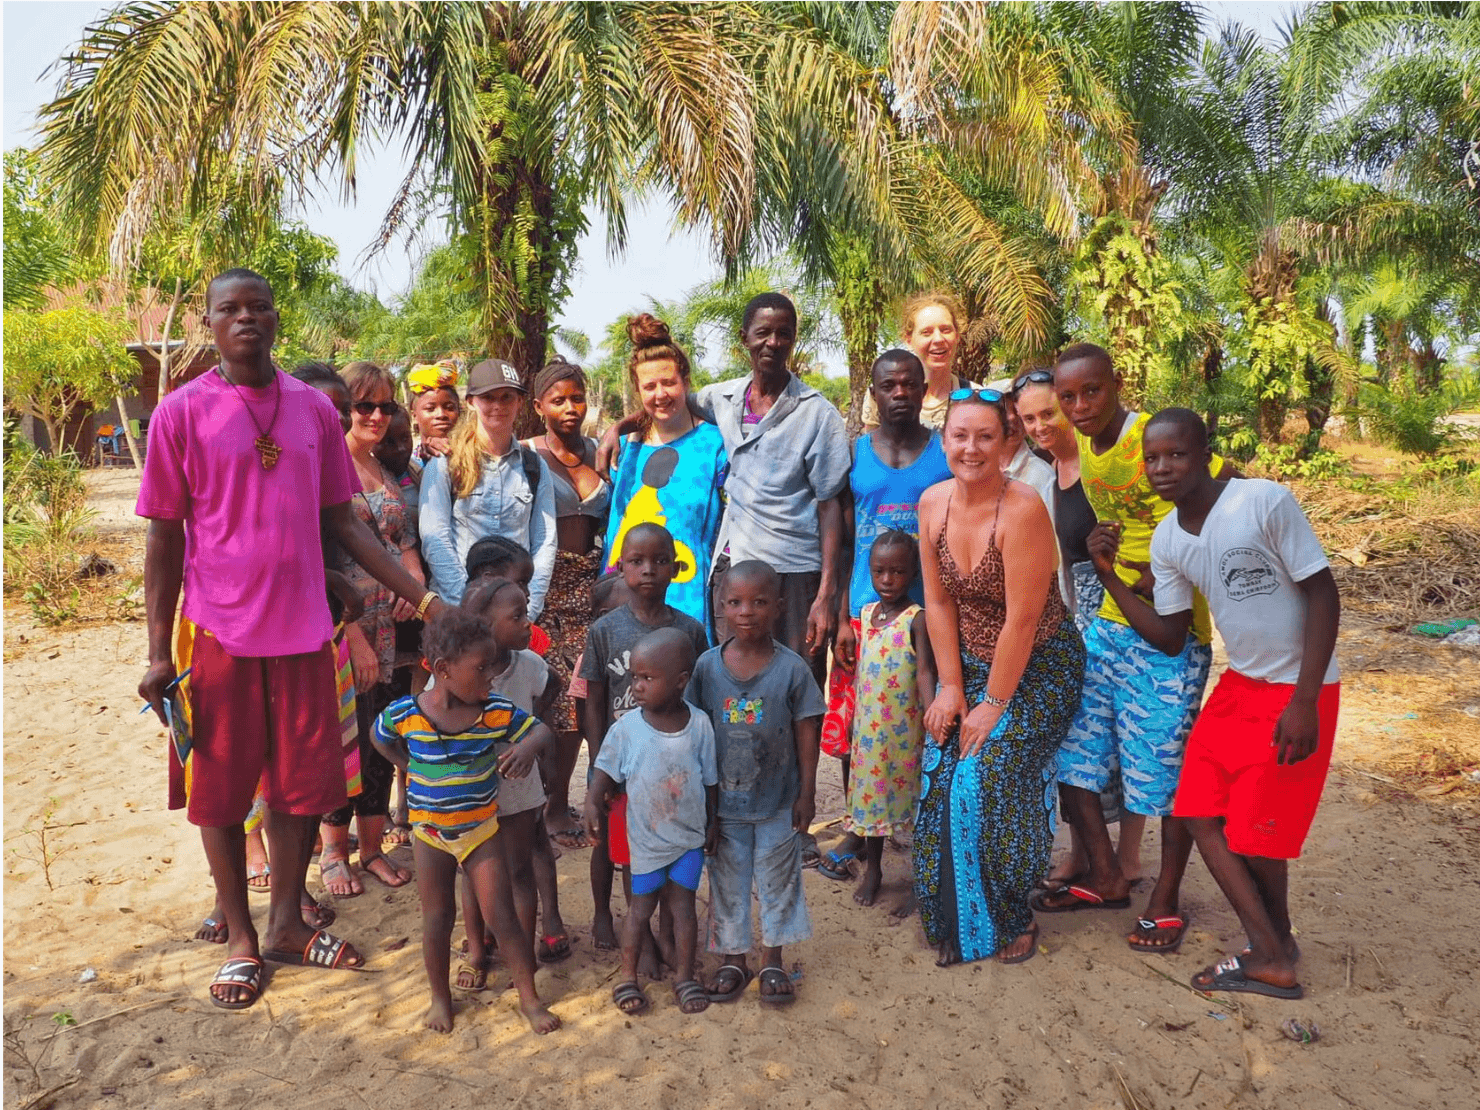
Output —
(780, 469)
(754, 729)
(1254, 546)
(665, 774)
(609, 645)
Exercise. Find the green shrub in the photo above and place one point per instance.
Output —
(47, 520)
(1414, 422)
(1284, 461)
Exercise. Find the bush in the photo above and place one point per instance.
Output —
(1284, 461)
(1417, 423)
(47, 520)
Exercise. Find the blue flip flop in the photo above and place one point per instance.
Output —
(835, 866)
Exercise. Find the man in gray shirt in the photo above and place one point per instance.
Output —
(789, 461)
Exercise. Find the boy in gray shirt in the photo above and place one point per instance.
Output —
(663, 753)
(767, 711)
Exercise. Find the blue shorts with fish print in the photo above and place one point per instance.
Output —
(1138, 703)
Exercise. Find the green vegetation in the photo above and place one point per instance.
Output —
(1262, 230)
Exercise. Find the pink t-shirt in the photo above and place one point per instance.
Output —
(254, 562)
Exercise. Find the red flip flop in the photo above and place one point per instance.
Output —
(1148, 926)
(1084, 899)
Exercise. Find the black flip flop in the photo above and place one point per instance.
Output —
(1026, 956)
(770, 975)
(239, 971)
(1229, 976)
(630, 992)
(323, 950)
(746, 975)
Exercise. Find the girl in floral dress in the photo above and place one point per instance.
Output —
(895, 681)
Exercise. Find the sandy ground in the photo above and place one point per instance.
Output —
(1385, 900)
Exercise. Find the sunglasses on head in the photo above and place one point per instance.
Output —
(365, 408)
(1036, 377)
(990, 396)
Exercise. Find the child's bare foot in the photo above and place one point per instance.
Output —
(604, 934)
(386, 873)
(649, 966)
(903, 909)
(439, 1017)
(868, 887)
(540, 1019)
(667, 948)
(946, 955)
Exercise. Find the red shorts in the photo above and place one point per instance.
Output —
(616, 833)
(1230, 768)
(273, 721)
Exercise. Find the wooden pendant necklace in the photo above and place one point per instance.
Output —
(267, 449)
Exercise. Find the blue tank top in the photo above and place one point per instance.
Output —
(886, 499)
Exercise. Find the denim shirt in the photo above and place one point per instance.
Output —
(500, 505)
(798, 455)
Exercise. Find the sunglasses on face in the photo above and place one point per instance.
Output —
(990, 396)
(386, 408)
(1036, 377)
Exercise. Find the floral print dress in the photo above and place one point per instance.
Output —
(888, 729)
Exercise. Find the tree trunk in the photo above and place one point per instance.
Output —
(128, 435)
(52, 439)
(1318, 403)
(164, 343)
(1428, 369)
(1212, 367)
(974, 355)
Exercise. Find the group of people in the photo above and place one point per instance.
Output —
(1012, 583)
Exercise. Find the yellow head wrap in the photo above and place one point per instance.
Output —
(427, 376)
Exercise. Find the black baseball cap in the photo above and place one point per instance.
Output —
(491, 374)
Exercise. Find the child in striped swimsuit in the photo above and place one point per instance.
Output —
(445, 740)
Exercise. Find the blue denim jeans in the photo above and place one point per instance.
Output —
(768, 855)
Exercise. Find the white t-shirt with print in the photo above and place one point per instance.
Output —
(1255, 545)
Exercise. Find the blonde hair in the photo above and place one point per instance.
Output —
(651, 342)
(933, 298)
(465, 450)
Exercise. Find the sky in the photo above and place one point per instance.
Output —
(662, 261)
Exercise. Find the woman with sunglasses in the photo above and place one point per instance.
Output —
(1010, 664)
(1048, 427)
(372, 638)
(931, 328)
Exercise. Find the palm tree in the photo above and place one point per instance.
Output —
(512, 115)
(1006, 126)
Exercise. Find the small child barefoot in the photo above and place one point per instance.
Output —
(540, 1019)
(439, 1017)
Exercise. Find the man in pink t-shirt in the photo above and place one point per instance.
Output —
(247, 471)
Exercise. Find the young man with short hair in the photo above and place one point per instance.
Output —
(1138, 702)
(247, 472)
(1257, 758)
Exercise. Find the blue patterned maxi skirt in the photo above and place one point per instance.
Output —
(983, 834)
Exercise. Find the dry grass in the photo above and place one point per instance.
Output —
(1401, 553)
